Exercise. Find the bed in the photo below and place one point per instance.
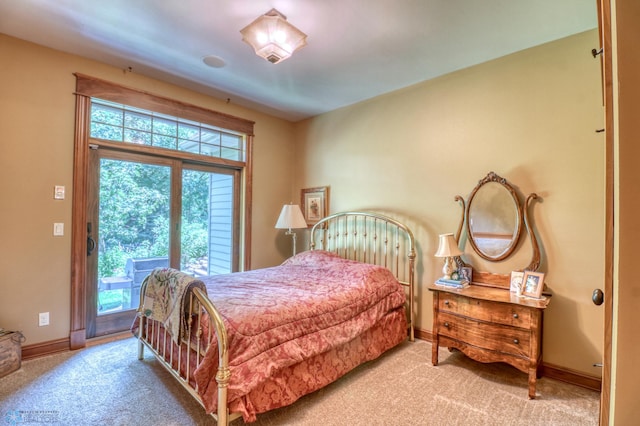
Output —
(249, 342)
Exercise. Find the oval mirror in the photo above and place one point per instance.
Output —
(493, 218)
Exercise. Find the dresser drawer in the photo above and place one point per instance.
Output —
(484, 310)
(485, 335)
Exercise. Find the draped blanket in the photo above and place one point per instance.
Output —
(164, 297)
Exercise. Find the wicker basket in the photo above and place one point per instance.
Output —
(10, 352)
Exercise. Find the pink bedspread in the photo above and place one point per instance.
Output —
(315, 305)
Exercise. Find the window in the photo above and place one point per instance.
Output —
(123, 123)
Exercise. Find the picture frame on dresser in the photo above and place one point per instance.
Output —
(517, 278)
(532, 284)
(466, 273)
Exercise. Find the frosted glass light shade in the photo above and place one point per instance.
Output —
(272, 37)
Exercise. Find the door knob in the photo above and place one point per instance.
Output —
(597, 297)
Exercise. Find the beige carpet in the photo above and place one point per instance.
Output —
(107, 385)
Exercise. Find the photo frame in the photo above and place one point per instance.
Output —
(517, 278)
(466, 273)
(532, 284)
(315, 204)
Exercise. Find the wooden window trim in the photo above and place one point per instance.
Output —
(97, 88)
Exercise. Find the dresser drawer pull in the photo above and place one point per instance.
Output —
(515, 316)
(516, 341)
(446, 324)
(446, 302)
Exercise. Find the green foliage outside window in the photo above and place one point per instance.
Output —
(134, 214)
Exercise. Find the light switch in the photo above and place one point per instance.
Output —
(58, 229)
(58, 192)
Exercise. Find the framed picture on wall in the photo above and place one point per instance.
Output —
(532, 284)
(315, 204)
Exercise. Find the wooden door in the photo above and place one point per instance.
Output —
(605, 53)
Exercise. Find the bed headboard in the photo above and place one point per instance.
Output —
(370, 238)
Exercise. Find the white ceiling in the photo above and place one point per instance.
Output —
(357, 49)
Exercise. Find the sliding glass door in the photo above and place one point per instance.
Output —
(145, 212)
(207, 222)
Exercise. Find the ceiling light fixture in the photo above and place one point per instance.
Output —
(272, 37)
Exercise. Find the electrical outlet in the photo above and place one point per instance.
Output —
(43, 318)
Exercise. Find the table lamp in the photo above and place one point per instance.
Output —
(448, 248)
(291, 218)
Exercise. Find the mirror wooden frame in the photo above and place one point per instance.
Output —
(516, 232)
(488, 278)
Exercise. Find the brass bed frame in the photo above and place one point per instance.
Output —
(362, 236)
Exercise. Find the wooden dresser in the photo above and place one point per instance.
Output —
(490, 325)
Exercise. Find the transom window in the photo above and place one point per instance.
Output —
(122, 123)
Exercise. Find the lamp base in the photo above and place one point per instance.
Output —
(447, 269)
(293, 236)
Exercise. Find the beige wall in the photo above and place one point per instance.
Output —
(37, 108)
(625, 409)
(531, 118)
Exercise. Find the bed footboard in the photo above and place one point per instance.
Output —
(182, 359)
